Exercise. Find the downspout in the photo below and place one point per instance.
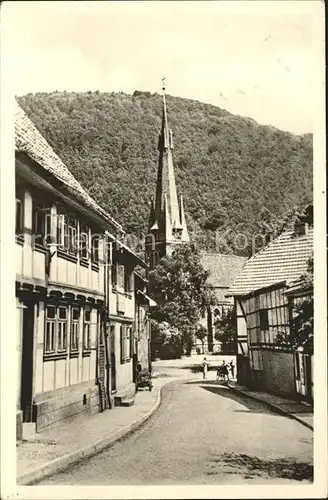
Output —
(106, 327)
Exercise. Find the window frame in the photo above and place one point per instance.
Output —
(86, 323)
(67, 232)
(45, 231)
(20, 199)
(58, 335)
(263, 320)
(95, 239)
(84, 250)
(125, 342)
(50, 321)
(114, 275)
(75, 330)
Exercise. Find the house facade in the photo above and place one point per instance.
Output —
(266, 359)
(142, 324)
(300, 292)
(75, 300)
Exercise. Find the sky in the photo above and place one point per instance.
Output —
(251, 58)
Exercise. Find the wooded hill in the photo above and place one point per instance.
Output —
(233, 172)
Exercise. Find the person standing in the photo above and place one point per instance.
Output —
(232, 369)
(225, 371)
(205, 367)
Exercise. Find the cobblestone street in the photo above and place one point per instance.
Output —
(203, 433)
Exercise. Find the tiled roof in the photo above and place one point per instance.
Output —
(30, 141)
(223, 268)
(284, 259)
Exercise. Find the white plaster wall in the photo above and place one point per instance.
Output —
(48, 376)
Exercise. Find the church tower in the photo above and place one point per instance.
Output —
(167, 224)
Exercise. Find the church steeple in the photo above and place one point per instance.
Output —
(167, 221)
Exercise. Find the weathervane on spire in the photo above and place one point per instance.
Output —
(163, 83)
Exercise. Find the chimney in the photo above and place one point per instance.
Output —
(301, 228)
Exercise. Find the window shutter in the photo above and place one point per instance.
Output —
(131, 342)
(122, 340)
(120, 276)
(61, 230)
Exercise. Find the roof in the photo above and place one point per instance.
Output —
(301, 286)
(284, 259)
(223, 268)
(30, 141)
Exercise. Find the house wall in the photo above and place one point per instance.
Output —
(270, 356)
(64, 384)
(124, 367)
(277, 370)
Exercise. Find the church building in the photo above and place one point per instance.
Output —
(167, 224)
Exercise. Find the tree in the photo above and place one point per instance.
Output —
(179, 285)
(226, 331)
(201, 334)
(166, 340)
(302, 325)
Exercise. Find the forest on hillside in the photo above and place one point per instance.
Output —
(236, 176)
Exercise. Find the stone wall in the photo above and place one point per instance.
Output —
(53, 411)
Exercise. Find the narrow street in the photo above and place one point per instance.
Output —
(203, 433)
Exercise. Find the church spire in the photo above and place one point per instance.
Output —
(166, 178)
(167, 223)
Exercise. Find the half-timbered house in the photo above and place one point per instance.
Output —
(265, 357)
(74, 291)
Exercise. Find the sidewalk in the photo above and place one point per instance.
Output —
(287, 407)
(48, 452)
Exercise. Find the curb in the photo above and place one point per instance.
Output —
(64, 461)
(273, 407)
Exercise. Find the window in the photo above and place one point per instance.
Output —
(120, 276)
(125, 338)
(95, 249)
(86, 329)
(75, 329)
(127, 282)
(114, 275)
(42, 224)
(61, 230)
(264, 319)
(62, 329)
(67, 232)
(72, 233)
(55, 330)
(19, 226)
(50, 329)
(84, 241)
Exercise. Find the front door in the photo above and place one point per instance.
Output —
(27, 362)
(308, 378)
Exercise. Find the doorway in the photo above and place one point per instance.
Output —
(27, 363)
(112, 358)
(308, 378)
